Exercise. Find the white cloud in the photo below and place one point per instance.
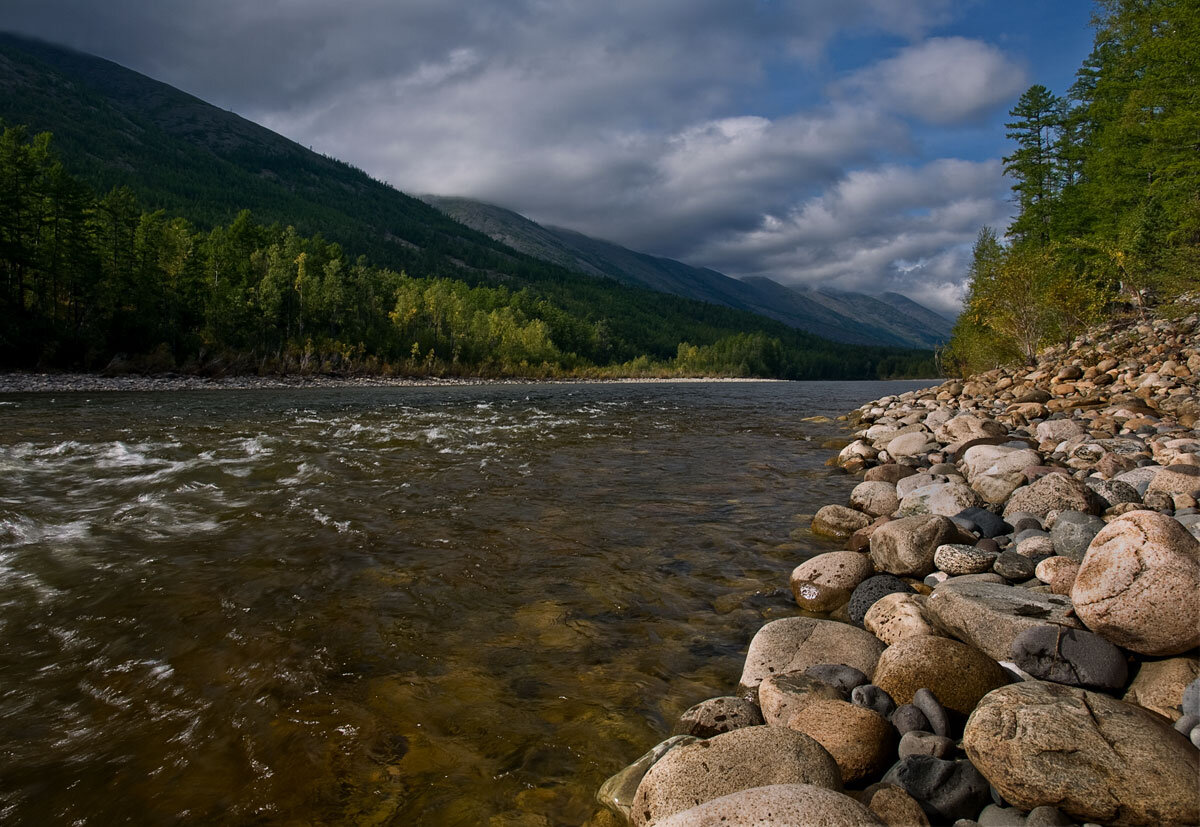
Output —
(942, 80)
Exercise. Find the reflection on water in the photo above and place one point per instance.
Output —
(383, 606)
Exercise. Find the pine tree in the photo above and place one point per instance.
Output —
(1038, 123)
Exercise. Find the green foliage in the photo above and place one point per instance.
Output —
(86, 279)
(1108, 185)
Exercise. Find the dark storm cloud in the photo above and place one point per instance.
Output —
(626, 119)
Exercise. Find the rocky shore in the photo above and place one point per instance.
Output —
(1009, 632)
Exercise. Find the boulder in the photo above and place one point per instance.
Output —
(1113, 492)
(944, 498)
(1071, 656)
(1058, 430)
(782, 696)
(1053, 492)
(838, 522)
(824, 582)
(1096, 758)
(861, 741)
(966, 427)
(1160, 684)
(875, 498)
(1176, 479)
(739, 760)
(990, 616)
(958, 558)
(782, 805)
(890, 472)
(897, 616)
(958, 674)
(906, 546)
(1138, 582)
(910, 445)
(717, 715)
(996, 471)
(792, 644)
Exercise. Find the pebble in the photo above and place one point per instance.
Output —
(919, 742)
(957, 558)
(870, 696)
(935, 713)
(1012, 565)
(947, 790)
(909, 718)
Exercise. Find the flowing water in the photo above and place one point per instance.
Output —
(463, 605)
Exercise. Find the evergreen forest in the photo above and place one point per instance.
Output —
(1107, 184)
(95, 281)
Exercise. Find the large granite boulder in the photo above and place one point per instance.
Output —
(739, 760)
(897, 616)
(782, 696)
(780, 805)
(824, 582)
(1138, 585)
(1096, 758)
(838, 522)
(958, 674)
(860, 740)
(990, 616)
(792, 644)
(875, 498)
(1052, 492)
(944, 498)
(1160, 684)
(906, 546)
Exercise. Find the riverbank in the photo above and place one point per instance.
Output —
(92, 382)
(1008, 633)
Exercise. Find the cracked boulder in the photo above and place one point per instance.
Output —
(1138, 583)
(1095, 758)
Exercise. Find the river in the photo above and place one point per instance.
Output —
(451, 605)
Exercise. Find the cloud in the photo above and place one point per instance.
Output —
(649, 124)
(942, 80)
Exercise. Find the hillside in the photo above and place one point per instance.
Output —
(114, 128)
(842, 316)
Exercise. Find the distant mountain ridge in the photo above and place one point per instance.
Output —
(856, 318)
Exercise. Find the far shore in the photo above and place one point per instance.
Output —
(91, 382)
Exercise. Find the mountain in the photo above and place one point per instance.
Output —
(855, 318)
(115, 128)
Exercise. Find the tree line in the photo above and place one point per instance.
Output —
(1107, 184)
(90, 282)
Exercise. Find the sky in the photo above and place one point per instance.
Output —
(847, 143)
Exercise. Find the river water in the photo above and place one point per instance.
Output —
(453, 605)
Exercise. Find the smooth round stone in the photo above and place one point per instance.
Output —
(875, 498)
(1113, 492)
(958, 674)
(1191, 698)
(781, 805)
(946, 790)
(717, 715)
(727, 763)
(1047, 816)
(986, 523)
(782, 696)
(871, 590)
(1013, 565)
(1160, 685)
(1186, 724)
(918, 742)
(897, 616)
(910, 445)
(1094, 757)
(1023, 521)
(956, 558)
(1138, 583)
(894, 806)
(793, 644)
(838, 522)
(1039, 547)
(944, 498)
(890, 473)
(1047, 569)
(838, 675)
(826, 581)
(1073, 532)
(990, 616)
(908, 718)
(1071, 656)
(935, 713)
(861, 741)
(872, 697)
